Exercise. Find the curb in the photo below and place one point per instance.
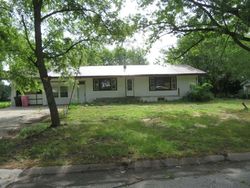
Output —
(238, 156)
(137, 165)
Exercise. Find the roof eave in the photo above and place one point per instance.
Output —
(91, 76)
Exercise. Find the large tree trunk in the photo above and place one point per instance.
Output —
(55, 121)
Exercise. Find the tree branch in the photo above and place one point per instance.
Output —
(207, 12)
(195, 29)
(26, 34)
(224, 30)
(66, 51)
(76, 9)
(66, 10)
(231, 10)
(238, 42)
(187, 50)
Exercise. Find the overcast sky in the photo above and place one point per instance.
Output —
(139, 40)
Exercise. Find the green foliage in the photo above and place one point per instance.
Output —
(23, 76)
(4, 104)
(121, 56)
(118, 56)
(226, 64)
(216, 54)
(4, 92)
(200, 93)
(200, 16)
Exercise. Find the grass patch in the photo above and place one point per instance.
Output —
(32, 131)
(4, 104)
(113, 133)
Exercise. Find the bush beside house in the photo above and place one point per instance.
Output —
(200, 93)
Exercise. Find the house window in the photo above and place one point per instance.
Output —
(129, 85)
(162, 83)
(81, 83)
(104, 84)
(55, 92)
(63, 91)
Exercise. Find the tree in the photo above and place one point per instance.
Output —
(6, 35)
(182, 17)
(117, 56)
(121, 56)
(4, 92)
(53, 28)
(225, 62)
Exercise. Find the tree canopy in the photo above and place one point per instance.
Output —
(181, 17)
(118, 56)
(45, 31)
(225, 62)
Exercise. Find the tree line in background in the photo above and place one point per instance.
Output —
(227, 65)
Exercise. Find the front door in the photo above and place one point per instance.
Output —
(81, 92)
(130, 87)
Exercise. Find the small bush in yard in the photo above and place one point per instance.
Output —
(200, 93)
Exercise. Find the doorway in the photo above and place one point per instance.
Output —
(81, 92)
(130, 87)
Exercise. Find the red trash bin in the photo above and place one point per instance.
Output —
(25, 101)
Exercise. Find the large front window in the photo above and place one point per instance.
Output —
(104, 84)
(162, 83)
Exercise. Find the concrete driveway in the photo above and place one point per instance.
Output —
(13, 118)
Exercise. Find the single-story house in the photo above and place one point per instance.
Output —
(145, 82)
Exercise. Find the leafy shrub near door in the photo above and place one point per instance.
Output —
(200, 93)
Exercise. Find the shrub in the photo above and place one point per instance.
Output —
(200, 93)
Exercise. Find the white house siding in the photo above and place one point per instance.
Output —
(184, 82)
(140, 90)
(62, 100)
(141, 86)
(90, 95)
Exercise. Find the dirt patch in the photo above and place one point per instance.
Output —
(198, 125)
(196, 114)
(226, 116)
(152, 121)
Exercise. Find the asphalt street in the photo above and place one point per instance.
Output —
(221, 175)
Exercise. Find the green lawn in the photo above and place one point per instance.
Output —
(4, 104)
(113, 133)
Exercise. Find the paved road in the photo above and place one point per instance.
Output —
(221, 175)
(13, 117)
